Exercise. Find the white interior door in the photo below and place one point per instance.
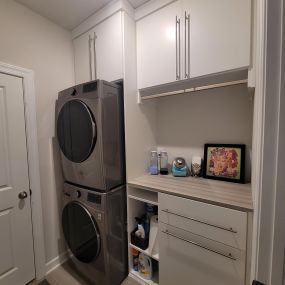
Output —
(16, 239)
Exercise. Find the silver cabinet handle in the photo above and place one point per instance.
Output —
(199, 221)
(95, 58)
(177, 37)
(230, 256)
(187, 42)
(90, 55)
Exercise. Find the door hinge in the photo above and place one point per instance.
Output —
(255, 282)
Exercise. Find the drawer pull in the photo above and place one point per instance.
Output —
(230, 256)
(199, 221)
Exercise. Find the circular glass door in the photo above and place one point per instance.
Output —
(76, 131)
(80, 232)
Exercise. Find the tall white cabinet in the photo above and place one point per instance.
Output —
(190, 38)
(99, 51)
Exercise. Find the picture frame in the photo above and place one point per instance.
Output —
(224, 162)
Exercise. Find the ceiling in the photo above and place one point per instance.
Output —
(69, 13)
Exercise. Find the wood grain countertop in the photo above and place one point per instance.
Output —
(225, 194)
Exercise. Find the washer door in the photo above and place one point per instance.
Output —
(81, 232)
(76, 131)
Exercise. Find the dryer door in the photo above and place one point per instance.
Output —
(76, 131)
(81, 232)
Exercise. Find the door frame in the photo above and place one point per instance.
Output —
(33, 162)
(268, 155)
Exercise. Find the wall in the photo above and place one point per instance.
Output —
(31, 41)
(186, 122)
(139, 118)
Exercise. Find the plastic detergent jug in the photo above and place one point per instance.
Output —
(145, 266)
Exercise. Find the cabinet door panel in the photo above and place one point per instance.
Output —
(219, 35)
(81, 59)
(198, 263)
(109, 48)
(156, 46)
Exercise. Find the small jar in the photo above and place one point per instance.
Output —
(153, 168)
(163, 163)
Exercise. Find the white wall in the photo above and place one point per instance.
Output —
(186, 122)
(31, 41)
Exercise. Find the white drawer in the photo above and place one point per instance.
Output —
(186, 258)
(213, 222)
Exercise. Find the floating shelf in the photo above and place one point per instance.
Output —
(146, 252)
(211, 81)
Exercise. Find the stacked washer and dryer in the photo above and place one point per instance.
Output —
(90, 131)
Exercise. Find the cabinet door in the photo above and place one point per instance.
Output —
(187, 259)
(82, 59)
(219, 35)
(109, 48)
(156, 46)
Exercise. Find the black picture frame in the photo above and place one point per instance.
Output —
(224, 176)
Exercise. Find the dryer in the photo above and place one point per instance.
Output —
(94, 227)
(90, 132)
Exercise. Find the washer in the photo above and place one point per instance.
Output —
(90, 132)
(94, 227)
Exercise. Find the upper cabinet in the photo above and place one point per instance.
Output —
(99, 52)
(192, 38)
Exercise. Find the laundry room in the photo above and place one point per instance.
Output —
(141, 142)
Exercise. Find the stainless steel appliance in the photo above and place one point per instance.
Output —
(94, 226)
(90, 131)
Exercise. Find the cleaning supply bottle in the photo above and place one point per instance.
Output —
(145, 266)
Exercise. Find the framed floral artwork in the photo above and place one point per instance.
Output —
(224, 162)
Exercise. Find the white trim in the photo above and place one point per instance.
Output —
(98, 17)
(33, 161)
(268, 178)
(258, 134)
(151, 7)
(57, 261)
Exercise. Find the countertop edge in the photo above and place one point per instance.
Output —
(192, 197)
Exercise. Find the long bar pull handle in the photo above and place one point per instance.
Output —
(229, 255)
(90, 55)
(187, 44)
(95, 56)
(179, 50)
(176, 49)
(199, 221)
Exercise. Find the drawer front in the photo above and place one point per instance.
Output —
(186, 258)
(217, 223)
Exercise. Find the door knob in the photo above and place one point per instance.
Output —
(23, 195)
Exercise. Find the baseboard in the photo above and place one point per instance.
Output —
(54, 263)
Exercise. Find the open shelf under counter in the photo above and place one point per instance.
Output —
(226, 194)
(141, 280)
(146, 252)
(143, 195)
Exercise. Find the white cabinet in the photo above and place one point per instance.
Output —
(187, 259)
(219, 35)
(82, 58)
(201, 243)
(192, 38)
(157, 47)
(99, 52)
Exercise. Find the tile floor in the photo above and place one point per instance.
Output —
(66, 275)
